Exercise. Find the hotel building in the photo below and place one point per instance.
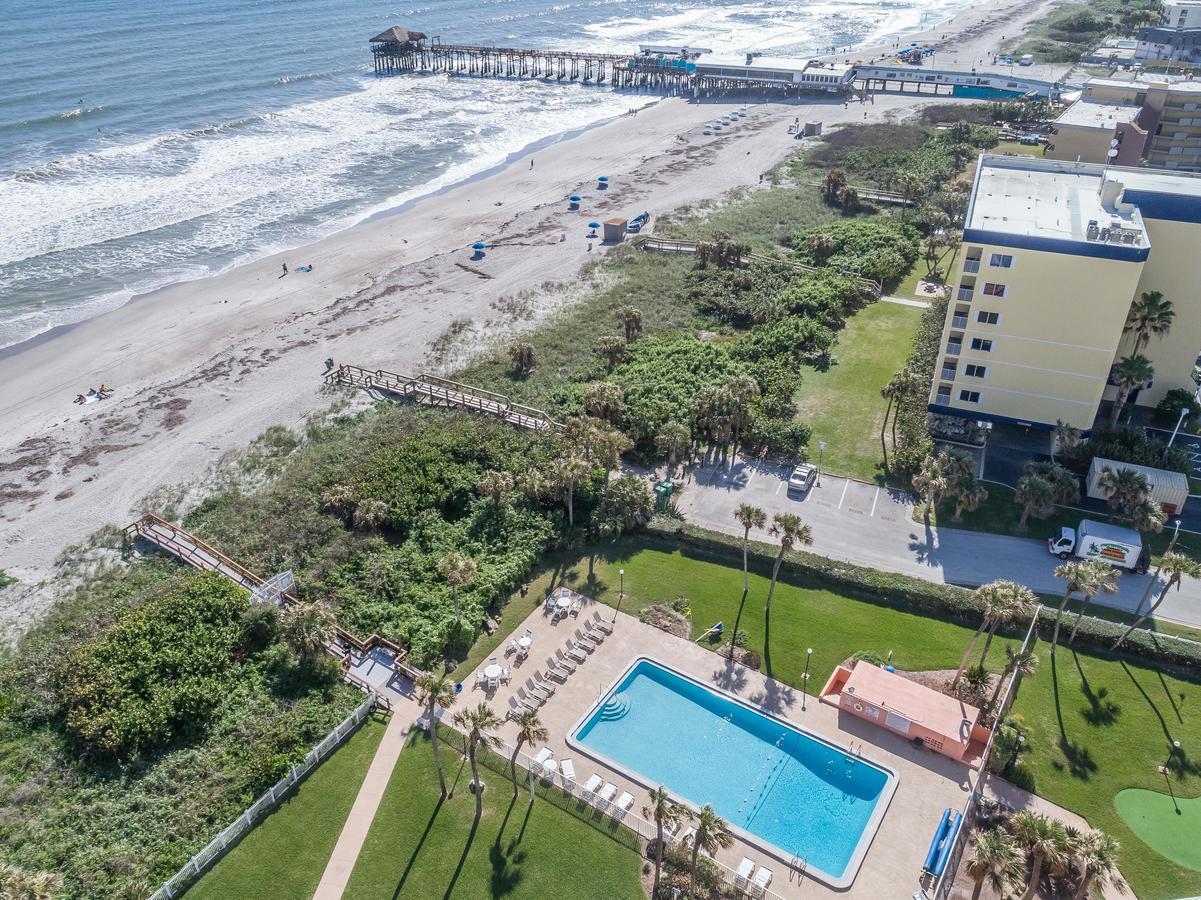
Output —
(1053, 255)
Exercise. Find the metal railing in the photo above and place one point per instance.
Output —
(971, 265)
(955, 347)
(268, 801)
(624, 826)
(965, 294)
(942, 887)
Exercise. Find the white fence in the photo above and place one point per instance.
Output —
(217, 847)
(602, 814)
(942, 887)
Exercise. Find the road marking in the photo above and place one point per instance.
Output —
(778, 486)
(857, 512)
(874, 499)
(824, 503)
(846, 484)
(888, 518)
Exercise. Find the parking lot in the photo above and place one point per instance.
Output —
(1188, 442)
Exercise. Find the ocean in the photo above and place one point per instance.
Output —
(144, 142)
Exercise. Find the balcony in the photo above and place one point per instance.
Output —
(971, 265)
(959, 321)
(954, 348)
(947, 374)
(965, 294)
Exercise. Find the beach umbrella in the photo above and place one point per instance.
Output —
(602, 178)
(575, 201)
(479, 245)
(594, 224)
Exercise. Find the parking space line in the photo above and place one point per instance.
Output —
(778, 486)
(874, 499)
(846, 484)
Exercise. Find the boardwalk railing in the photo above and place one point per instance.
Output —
(942, 887)
(199, 555)
(220, 845)
(438, 391)
(668, 245)
(866, 193)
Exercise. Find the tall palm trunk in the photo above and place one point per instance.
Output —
(978, 888)
(1085, 882)
(570, 498)
(1079, 616)
(658, 857)
(992, 630)
(513, 767)
(883, 426)
(1059, 616)
(1139, 621)
(775, 573)
(1035, 876)
(475, 778)
(967, 653)
(746, 536)
(454, 598)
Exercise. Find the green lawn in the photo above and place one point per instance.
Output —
(1118, 720)
(421, 847)
(907, 287)
(842, 405)
(286, 854)
(1016, 148)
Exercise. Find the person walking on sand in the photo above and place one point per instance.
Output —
(285, 270)
(531, 163)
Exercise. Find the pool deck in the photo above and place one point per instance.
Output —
(927, 784)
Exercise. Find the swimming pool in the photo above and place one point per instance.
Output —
(794, 794)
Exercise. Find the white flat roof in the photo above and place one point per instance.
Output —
(1147, 82)
(1090, 113)
(760, 63)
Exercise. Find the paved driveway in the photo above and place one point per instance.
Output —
(872, 526)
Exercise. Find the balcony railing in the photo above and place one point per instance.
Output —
(959, 321)
(943, 398)
(965, 294)
(954, 347)
(971, 265)
(948, 375)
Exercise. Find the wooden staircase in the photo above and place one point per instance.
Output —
(433, 390)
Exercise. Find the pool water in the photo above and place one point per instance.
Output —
(805, 797)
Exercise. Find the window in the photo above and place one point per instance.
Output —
(1001, 260)
(975, 371)
(969, 396)
(988, 318)
(994, 290)
(982, 344)
(944, 395)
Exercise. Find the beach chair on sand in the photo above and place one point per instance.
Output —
(600, 624)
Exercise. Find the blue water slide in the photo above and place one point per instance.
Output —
(947, 843)
(936, 842)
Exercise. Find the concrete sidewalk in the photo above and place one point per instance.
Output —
(362, 814)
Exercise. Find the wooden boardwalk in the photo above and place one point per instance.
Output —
(435, 391)
(374, 664)
(666, 245)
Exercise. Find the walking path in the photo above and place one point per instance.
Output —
(362, 814)
(905, 301)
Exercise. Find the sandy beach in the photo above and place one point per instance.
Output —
(201, 368)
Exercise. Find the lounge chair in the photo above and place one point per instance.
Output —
(517, 707)
(543, 755)
(554, 670)
(584, 641)
(594, 781)
(600, 624)
(745, 868)
(530, 700)
(625, 801)
(567, 770)
(543, 685)
(605, 794)
(536, 690)
(564, 662)
(576, 653)
(594, 634)
(760, 882)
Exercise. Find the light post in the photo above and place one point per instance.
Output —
(821, 450)
(805, 679)
(621, 592)
(1017, 748)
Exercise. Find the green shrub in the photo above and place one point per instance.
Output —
(1174, 401)
(879, 249)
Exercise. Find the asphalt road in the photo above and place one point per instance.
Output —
(872, 526)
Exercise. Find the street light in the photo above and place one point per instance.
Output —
(821, 449)
(805, 679)
(621, 592)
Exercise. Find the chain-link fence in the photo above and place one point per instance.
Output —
(942, 887)
(624, 826)
(218, 846)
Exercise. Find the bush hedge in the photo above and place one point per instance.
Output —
(943, 601)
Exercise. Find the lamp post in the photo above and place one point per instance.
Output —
(805, 679)
(621, 592)
(821, 450)
(1017, 748)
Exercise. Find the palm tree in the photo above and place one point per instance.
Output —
(1087, 578)
(369, 514)
(1123, 489)
(1149, 315)
(1147, 515)
(1097, 854)
(1177, 566)
(663, 812)
(495, 486)
(604, 399)
(1044, 838)
(995, 599)
(889, 392)
(1130, 374)
(523, 357)
(1018, 663)
(743, 390)
(1107, 577)
(565, 474)
(673, 441)
(931, 481)
(17, 884)
(613, 348)
(791, 531)
(995, 859)
(530, 730)
(612, 444)
(306, 627)
(436, 688)
(478, 723)
(1014, 604)
(1035, 495)
(748, 517)
(712, 834)
(630, 318)
(460, 571)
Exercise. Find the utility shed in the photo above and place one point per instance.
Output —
(615, 230)
(1168, 487)
(942, 723)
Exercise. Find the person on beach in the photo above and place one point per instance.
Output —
(285, 270)
(329, 363)
(531, 163)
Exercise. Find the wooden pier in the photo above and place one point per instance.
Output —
(359, 656)
(432, 390)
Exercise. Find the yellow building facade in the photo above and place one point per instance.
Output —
(1053, 255)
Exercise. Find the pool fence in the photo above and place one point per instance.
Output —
(267, 802)
(624, 826)
(942, 887)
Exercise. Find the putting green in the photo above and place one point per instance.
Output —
(1166, 826)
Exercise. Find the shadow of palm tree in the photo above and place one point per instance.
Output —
(767, 642)
(450, 888)
(1101, 710)
(507, 860)
(776, 696)
(1078, 760)
(737, 622)
(730, 677)
(404, 876)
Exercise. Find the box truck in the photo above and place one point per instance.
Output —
(1096, 540)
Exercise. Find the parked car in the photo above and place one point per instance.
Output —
(802, 478)
(637, 223)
